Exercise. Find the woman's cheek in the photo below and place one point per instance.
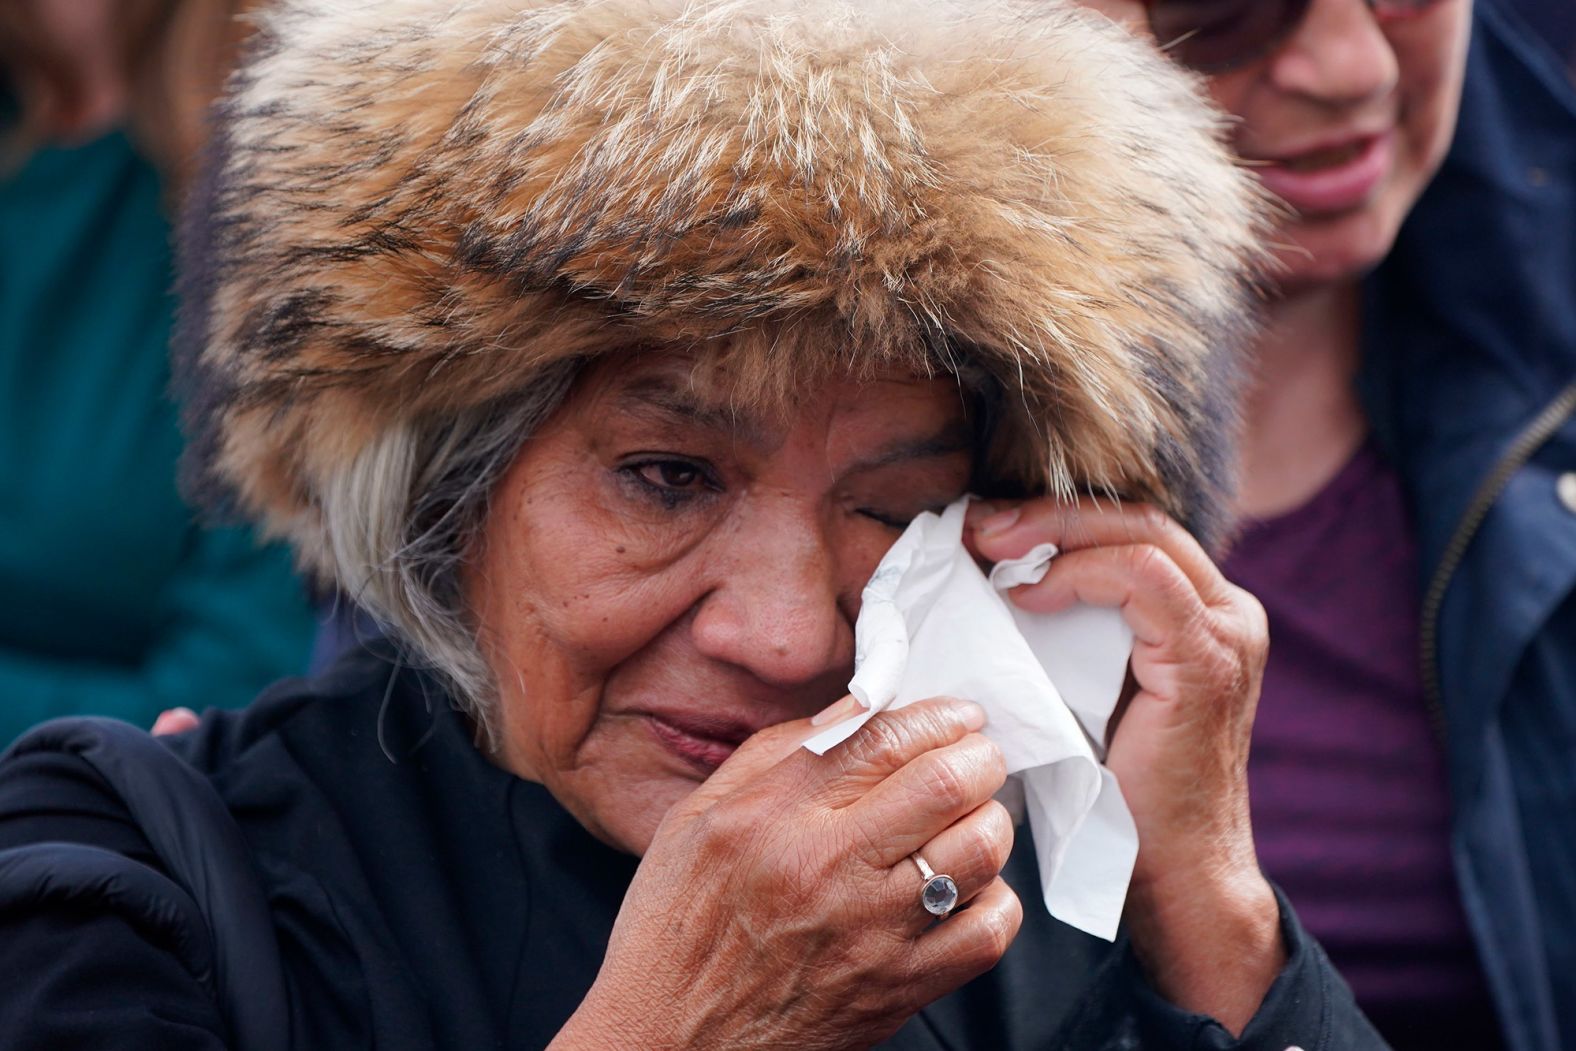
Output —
(861, 545)
(1429, 110)
(611, 616)
(600, 575)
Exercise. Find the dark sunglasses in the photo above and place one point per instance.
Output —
(1212, 36)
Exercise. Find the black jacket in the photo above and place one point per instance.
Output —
(331, 870)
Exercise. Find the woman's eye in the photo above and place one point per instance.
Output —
(897, 522)
(669, 481)
(671, 474)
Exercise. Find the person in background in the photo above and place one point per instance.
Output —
(1409, 485)
(118, 601)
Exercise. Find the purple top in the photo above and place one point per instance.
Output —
(1351, 809)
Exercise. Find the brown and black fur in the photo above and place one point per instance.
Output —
(420, 205)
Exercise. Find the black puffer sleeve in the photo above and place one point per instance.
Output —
(130, 914)
(98, 947)
(98, 950)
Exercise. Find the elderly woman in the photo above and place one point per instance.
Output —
(602, 350)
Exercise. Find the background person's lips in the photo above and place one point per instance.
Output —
(1330, 179)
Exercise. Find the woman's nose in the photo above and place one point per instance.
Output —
(775, 609)
(1338, 56)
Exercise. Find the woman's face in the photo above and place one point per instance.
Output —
(660, 577)
(1346, 121)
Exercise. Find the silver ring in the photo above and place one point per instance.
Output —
(938, 893)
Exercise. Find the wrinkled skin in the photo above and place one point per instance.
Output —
(777, 906)
(667, 591)
(1202, 916)
(660, 579)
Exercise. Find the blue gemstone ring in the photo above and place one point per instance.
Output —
(938, 894)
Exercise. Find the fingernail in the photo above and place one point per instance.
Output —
(836, 711)
(973, 714)
(1000, 522)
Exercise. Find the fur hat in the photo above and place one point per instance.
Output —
(419, 206)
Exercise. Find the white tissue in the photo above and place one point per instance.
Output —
(931, 625)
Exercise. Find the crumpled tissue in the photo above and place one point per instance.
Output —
(931, 624)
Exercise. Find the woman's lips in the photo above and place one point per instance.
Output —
(1331, 179)
(701, 743)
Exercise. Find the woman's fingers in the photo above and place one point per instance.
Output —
(924, 797)
(970, 942)
(774, 761)
(1156, 598)
(1088, 523)
(887, 743)
(972, 851)
(751, 761)
(1180, 749)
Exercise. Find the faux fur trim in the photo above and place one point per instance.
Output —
(420, 205)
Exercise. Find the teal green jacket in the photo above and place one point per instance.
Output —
(113, 600)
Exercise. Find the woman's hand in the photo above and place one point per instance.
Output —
(1202, 917)
(778, 905)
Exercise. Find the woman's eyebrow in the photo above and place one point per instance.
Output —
(653, 395)
(947, 442)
